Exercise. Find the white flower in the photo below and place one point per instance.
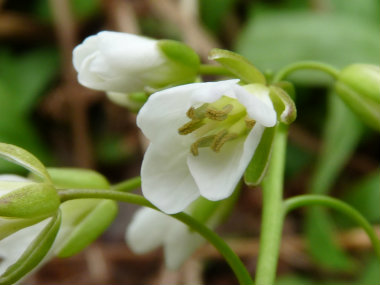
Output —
(121, 62)
(13, 242)
(203, 136)
(150, 229)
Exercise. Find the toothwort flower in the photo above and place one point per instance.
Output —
(202, 137)
(121, 62)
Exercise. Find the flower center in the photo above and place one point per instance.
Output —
(214, 124)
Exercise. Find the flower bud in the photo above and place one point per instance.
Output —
(26, 199)
(121, 62)
(359, 87)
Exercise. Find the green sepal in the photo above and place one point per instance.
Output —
(283, 105)
(25, 159)
(238, 65)
(30, 201)
(66, 177)
(34, 254)
(82, 222)
(180, 54)
(258, 165)
(367, 110)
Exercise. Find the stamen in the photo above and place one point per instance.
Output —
(218, 115)
(221, 138)
(190, 127)
(250, 122)
(202, 142)
(197, 113)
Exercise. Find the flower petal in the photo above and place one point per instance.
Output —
(166, 180)
(211, 91)
(82, 51)
(120, 50)
(13, 246)
(165, 112)
(217, 174)
(180, 244)
(147, 230)
(258, 104)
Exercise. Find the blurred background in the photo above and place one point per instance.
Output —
(44, 110)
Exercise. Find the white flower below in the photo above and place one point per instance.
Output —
(150, 229)
(202, 137)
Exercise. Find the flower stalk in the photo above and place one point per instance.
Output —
(272, 219)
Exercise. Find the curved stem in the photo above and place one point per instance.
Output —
(232, 259)
(285, 71)
(272, 219)
(208, 69)
(320, 200)
(128, 185)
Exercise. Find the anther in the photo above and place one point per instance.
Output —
(221, 138)
(190, 127)
(197, 113)
(218, 115)
(249, 123)
(202, 142)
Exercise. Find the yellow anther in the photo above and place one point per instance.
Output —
(218, 115)
(221, 138)
(202, 142)
(190, 127)
(250, 122)
(197, 113)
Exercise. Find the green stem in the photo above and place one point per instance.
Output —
(208, 69)
(232, 259)
(128, 185)
(272, 219)
(321, 200)
(284, 72)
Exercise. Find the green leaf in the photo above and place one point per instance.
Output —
(238, 65)
(275, 39)
(342, 134)
(25, 159)
(31, 201)
(258, 165)
(34, 254)
(82, 222)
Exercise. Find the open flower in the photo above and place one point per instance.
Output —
(203, 136)
(121, 62)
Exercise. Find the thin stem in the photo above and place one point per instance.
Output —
(284, 72)
(321, 200)
(208, 69)
(272, 219)
(128, 185)
(233, 260)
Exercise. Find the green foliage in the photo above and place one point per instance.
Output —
(214, 13)
(23, 79)
(274, 39)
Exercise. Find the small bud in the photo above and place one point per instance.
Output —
(32, 200)
(359, 87)
(283, 104)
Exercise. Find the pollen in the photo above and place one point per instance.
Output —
(190, 127)
(218, 115)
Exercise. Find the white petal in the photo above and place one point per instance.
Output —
(180, 244)
(166, 180)
(259, 106)
(82, 51)
(129, 52)
(217, 174)
(147, 230)
(165, 112)
(13, 246)
(211, 91)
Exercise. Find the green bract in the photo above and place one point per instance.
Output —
(238, 65)
(359, 87)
